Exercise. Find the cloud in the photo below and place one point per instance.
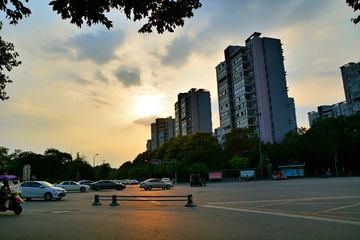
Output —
(99, 47)
(146, 121)
(82, 81)
(128, 77)
(100, 77)
(178, 52)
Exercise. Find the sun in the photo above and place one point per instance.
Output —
(147, 105)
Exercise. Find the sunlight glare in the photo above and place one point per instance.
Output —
(147, 106)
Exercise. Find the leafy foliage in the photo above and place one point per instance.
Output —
(164, 15)
(200, 152)
(200, 168)
(355, 4)
(7, 61)
(239, 162)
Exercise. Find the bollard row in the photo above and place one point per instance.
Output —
(115, 203)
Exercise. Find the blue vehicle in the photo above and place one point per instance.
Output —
(86, 182)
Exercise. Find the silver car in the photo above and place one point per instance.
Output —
(41, 189)
(155, 183)
(72, 186)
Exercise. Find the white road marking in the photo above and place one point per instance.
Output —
(283, 200)
(286, 215)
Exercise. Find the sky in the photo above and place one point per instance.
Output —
(96, 91)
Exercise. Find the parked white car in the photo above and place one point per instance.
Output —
(166, 180)
(155, 183)
(41, 189)
(73, 186)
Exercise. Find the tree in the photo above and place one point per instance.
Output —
(79, 167)
(164, 15)
(239, 142)
(7, 61)
(355, 4)
(200, 168)
(4, 159)
(239, 162)
(103, 171)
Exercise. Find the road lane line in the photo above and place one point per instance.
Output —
(283, 200)
(286, 215)
(330, 210)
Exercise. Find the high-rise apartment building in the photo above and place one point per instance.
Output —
(328, 111)
(193, 112)
(161, 131)
(351, 79)
(252, 90)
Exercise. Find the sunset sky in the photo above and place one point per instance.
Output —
(96, 91)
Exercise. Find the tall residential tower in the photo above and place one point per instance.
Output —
(193, 112)
(252, 90)
(161, 131)
(351, 79)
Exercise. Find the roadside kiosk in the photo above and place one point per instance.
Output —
(293, 170)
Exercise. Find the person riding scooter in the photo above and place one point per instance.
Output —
(5, 191)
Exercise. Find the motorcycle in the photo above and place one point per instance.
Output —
(14, 199)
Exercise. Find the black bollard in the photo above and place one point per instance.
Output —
(97, 202)
(114, 202)
(190, 202)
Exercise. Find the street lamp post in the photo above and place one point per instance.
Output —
(94, 166)
(258, 115)
(175, 173)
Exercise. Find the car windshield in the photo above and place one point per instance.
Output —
(46, 184)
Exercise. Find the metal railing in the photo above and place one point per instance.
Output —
(114, 198)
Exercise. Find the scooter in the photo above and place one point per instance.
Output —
(14, 204)
(14, 199)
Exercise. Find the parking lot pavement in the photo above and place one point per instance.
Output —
(292, 209)
(332, 209)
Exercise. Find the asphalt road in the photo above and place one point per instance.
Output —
(287, 209)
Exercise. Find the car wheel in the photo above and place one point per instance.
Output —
(98, 188)
(82, 189)
(204, 184)
(167, 186)
(119, 188)
(48, 196)
(18, 210)
(149, 187)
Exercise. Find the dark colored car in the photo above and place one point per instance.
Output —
(106, 184)
(195, 179)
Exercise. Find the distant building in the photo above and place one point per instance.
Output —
(218, 135)
(161, 131)
(193, 112)
(252, 90)
(328, 111)
(351, 79)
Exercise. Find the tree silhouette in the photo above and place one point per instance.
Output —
(355, 4)
(164, 15)
(7, 61)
